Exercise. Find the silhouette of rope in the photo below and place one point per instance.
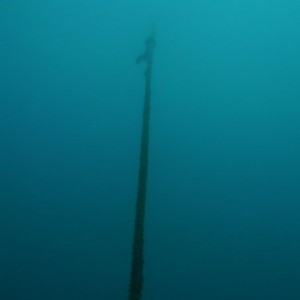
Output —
(137, 264)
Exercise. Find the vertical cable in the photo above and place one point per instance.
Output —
(137, 264)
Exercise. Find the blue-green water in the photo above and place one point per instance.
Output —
(222, 218)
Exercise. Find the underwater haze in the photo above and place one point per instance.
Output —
(223, 202)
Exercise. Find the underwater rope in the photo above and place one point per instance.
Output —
(137, 264)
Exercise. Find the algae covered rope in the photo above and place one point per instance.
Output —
(137, 264)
